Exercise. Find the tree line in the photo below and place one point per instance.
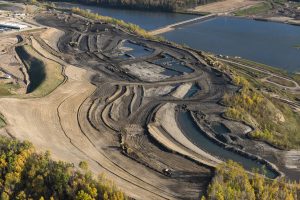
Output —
(233, 182)
(27, 175)
(164, 5)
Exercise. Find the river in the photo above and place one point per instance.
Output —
(146, 20)
(265, 42)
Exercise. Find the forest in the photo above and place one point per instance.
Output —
(232, 182)
(162, 5)
(25, 175)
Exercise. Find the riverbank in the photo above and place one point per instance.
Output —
(278, 19)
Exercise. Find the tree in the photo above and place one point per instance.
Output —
(84, 165)
(81, 195)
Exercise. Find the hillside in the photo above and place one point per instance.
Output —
(26, 174)
(166, 5)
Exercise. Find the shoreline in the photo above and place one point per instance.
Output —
(240, 152)
(276, 19)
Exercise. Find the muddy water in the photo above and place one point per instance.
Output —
(193, 133)
(219, 128)
(172, 66)
(192, 92)
(136, 50)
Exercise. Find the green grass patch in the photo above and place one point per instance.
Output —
(255, 9)
(257, 65)
(281, 81)
(297, 46)
(7, 89)
(250, 72)
(296, 78)
(4, 5)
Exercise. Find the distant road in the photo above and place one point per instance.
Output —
(295, 88)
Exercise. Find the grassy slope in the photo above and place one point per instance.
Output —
(281, 81)
(53, 72)
(254, 10)
(7, 89)
(274, 121)
(261, 66)
(265, 114)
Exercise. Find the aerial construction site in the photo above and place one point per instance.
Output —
(148, 114)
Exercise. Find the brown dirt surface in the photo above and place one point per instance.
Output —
(226, 6)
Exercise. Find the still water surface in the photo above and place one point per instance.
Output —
(145, 19)
(266, 42)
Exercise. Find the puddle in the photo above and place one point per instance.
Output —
(192, 91)
(219, 128)
(135, 50)
(171, 63)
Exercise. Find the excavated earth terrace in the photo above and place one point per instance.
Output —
(154, 117)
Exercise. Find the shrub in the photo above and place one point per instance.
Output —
(232, 182)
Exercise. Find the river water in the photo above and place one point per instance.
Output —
(266, 42)
(146, 20)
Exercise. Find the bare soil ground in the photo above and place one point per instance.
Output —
(120, 116)
(51, 37)
(226, 6)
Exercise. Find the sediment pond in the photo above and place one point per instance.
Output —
(136, 50)
(219, 128)
(192, 91)
(196, 135)
(36, 69)
(173, 64)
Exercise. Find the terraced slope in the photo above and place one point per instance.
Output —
(119, 105)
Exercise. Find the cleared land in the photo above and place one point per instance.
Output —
(118, 108)
(281, 81)
(224, 6)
